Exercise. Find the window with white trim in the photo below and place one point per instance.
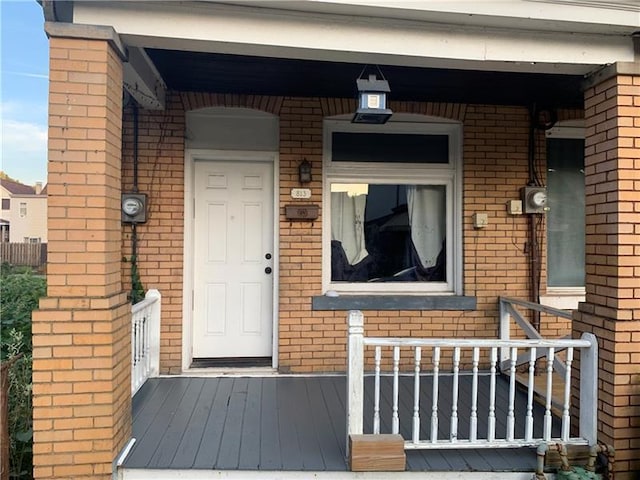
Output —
(566, 224)
(392, 208)
(23, 209)
(566, 216)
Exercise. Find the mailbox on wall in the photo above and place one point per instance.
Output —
(301, 212)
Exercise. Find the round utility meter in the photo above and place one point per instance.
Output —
(539, 199)
(131, 206)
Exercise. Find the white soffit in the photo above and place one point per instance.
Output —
(262, 31)
(611, 17)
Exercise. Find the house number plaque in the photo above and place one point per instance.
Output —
(301, 212)
(300, 193)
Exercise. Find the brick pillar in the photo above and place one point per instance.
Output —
(612, 307)
(81, 366)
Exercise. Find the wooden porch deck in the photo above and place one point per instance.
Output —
(297, 423)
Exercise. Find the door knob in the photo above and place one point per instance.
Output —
(267, 270)
(268, 256)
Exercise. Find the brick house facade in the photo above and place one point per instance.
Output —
(81, 331)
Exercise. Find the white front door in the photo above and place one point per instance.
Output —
(233, 259)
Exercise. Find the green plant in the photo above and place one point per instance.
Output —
(20, 291)
(137, 289)
(20, 407)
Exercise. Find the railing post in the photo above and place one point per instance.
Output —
(589, 390)
(154, 331)
(505, 329)
(355, 374)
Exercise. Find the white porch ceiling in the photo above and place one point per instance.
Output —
(439, 34)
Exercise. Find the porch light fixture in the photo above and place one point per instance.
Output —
(372, 101)
(304, 171)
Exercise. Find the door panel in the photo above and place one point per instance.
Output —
(233, 232)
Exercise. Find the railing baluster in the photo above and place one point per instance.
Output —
(528, 434)
(395, 420)
(499, 406)
(547, 412)
(566, 419)
(145, 328)
(434, 396)
(491, 433)
(453, 436)
(511, 418)
(416, 394)
(473, 422)
(145, 339)
(376, 394)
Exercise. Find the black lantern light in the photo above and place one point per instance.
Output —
(372, 101)
(304, 171)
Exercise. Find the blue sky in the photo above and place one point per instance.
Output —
(24, 69)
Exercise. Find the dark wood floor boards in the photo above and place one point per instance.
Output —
(332, 455)
(151, 426)
(251, 431)
(270, 447)
(210, 442)
(298, 423)
(229, 453)
(288, 429)
(195, 429)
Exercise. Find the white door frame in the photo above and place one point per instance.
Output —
(191, 156)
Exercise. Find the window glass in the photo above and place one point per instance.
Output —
(23, 209)
(392, 208)
(6, 203)
(388, 232)
(390, 147)
(566, 216)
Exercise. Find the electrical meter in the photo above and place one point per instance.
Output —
(134, 207)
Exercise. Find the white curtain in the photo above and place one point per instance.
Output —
(347, 224)
(427, 218)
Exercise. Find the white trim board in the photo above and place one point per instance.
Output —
(413, 41)
(144, 474)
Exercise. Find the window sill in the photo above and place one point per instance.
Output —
(394, 302)
(563, 300)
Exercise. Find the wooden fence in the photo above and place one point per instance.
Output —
(24, 254)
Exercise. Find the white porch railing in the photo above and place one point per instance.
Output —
(145, 339)
(508, 312)
(426, 359)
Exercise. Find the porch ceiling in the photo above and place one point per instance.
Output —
(240, 74)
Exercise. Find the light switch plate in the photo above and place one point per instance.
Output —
(480, 220)
(514, 207)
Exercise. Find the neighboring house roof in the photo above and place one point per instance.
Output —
(16, 188)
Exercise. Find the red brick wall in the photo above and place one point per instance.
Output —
(612, 307)
(495, 167)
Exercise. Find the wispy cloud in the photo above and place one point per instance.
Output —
(28, 74)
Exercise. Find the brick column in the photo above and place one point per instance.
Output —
(81, 366)
(612, 307)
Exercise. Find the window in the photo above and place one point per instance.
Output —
(392, 208)
(6, 203)
(566, 224)
(23, 209)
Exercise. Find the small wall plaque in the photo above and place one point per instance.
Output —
(301, 212)
(300, 193)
